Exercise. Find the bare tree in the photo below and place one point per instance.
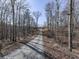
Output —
(48, 10)
(37, 15)
(71, 25)
(13, 12)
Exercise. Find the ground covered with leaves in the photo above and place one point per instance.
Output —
(57, 50)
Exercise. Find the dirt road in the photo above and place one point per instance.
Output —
(27, 51)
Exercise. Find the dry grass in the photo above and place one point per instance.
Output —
(57, 50)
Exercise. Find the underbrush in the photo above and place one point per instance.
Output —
(49, 34)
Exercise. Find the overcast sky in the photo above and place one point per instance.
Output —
(39, 5)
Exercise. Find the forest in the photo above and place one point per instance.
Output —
(57, 38)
